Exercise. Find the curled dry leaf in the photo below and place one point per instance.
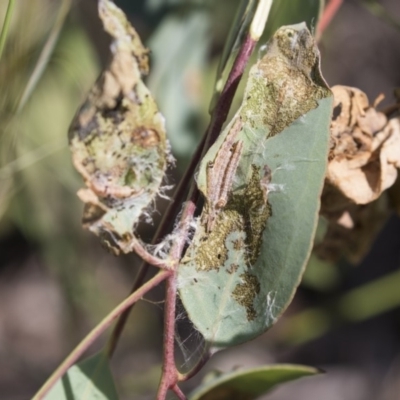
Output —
(365, 152)
(363, 162)
(118, 139)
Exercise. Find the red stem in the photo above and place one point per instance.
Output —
(171, 211)
(329, 12)
(200, 364)
(176, 389)
(138, 248)
(220, 113)
(169, 374)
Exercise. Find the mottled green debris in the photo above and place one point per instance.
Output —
(118, 139)
(246, 268)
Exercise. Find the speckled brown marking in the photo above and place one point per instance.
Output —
(292, 66)
(246, 211)
(245, 293)
(145, 137)
(232, 268)
(238, 244)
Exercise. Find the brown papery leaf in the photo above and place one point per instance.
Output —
(363, 162)
(366, 147)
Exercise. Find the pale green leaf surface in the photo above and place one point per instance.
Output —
(251, 383)
(90, 379)
(237, 278)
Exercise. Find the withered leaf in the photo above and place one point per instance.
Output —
(363, 163)
(366, 147)
(118, 139)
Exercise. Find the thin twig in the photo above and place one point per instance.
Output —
(329, 12)
(221, 110)
(97, 331)
(166, 221)
(169, 377)
(176, 389)
(169, 374)
(138, 248)
(199, 365)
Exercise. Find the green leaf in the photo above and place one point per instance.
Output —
(250, 384)
(90, 379)
(262, 181)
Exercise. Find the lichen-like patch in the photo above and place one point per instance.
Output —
(213, 253)
(245, 293)
(288, 83)
(256, 213)
(246, 211)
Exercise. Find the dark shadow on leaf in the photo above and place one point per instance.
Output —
(69, 395)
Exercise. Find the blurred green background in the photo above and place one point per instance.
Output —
(56, 282)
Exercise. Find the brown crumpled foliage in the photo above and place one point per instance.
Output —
(363, 162)
(365, 151)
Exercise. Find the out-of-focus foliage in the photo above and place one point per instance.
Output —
(37, 181)
(250, 384)
(90, 379)
(179, 50)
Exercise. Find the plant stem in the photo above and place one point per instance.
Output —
(169, 377)
(329, 12)
(221, 110)
(176, 389)
(169, 373)
(171, 211)
(200, 364)
(97, 331)
(6, 24)
(219, 116)
(138, 248)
